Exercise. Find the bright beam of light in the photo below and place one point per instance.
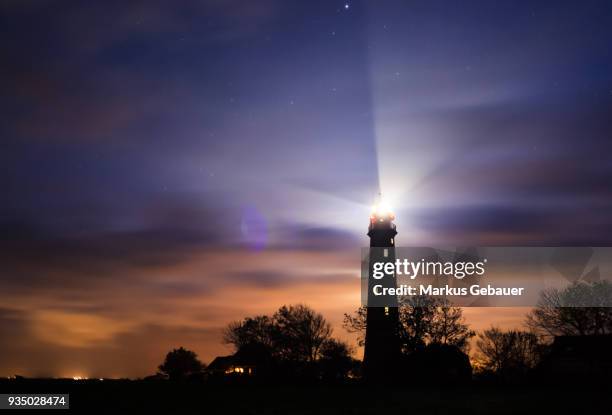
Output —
(411, 144)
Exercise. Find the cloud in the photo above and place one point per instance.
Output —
(132, 353)
(75, 329)
(297, 236)
(78, 301)
(287, 278)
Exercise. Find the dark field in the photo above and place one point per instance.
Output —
(117, 396)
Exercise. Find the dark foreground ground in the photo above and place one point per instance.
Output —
(113, 396)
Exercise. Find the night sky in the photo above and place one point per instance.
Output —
(168, 167)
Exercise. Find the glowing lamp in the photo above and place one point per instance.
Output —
(381, 212)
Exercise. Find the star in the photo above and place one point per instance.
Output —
(346, 6)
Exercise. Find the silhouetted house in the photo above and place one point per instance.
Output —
(438, 363)
(585, 357)
(230, 365)
(251, 359)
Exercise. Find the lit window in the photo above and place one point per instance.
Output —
(386, 311)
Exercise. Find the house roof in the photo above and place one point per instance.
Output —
(249, 355)
(221, 363)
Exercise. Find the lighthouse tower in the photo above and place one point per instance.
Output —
(382, 346)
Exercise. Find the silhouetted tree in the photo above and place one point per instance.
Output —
(294, 333)
(504, 351)
(335, 360)
(258, 330)
(181, 364)
(423, 320)
(570, 311)
(300, 332)
(356, 323)
(417, 316)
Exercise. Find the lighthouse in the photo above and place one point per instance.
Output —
(382, 344)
